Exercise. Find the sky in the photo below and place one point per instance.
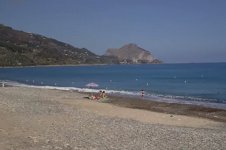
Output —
(175, 31)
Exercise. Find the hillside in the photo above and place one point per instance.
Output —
(132, 54)
(18, 48)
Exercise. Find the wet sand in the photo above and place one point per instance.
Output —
(170, 108)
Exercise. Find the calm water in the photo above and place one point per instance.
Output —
(190, 83)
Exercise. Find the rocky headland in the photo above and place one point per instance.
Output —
(132, 54)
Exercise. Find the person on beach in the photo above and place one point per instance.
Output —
(93, 97)
(97, 96)
(100, 94)
(3, 84)
(103, 94)
(142, 93)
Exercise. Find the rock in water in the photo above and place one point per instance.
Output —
(132, 54)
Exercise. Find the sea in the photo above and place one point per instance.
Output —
(192, 83)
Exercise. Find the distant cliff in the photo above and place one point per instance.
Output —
(18, 48)
(132, 54)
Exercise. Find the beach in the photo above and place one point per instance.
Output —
(35, 118)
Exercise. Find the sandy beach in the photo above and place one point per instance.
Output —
(52, 119)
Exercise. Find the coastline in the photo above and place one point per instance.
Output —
(65, 65)
(68, 65)
(137, 102)
(35, 118)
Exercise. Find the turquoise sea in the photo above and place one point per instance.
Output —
(198, 83)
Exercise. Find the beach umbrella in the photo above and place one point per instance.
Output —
(92, 85)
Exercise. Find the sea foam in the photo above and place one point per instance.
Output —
(136, 94)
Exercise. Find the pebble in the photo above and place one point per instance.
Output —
(60, 130)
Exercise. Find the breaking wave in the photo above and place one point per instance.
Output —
(148, 96)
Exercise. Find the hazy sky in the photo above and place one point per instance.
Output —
(173, 30)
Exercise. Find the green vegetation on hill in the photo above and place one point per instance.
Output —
(18, 48)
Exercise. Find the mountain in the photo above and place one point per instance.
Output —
(18, 48)
(132, 54)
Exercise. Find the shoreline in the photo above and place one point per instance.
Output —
(33, 118)
(137, 102)
(68, 65)
(105, 64)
